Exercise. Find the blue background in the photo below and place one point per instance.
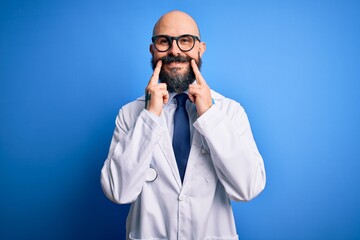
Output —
(66, 67)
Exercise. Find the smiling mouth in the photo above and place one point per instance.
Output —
(175, 66)
(176, 63)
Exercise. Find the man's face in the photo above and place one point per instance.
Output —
(176, 70)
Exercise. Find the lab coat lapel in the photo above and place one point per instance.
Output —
(196, 146)
(166, 146)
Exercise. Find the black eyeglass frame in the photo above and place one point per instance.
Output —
(171, 39)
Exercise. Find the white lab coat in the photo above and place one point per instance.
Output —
(224, 164)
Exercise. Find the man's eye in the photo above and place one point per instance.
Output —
(185, 40)
(162, 41)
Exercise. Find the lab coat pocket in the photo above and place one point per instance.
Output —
(208, 168)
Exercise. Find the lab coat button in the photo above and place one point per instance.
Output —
(181, 197)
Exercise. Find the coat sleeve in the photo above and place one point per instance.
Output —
(236, 159)
(130, 154)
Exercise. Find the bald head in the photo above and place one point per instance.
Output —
(176, 23)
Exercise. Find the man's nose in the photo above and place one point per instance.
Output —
(174, 49)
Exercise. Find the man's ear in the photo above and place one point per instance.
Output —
(151, 49)
(202, 48)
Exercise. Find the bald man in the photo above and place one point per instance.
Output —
(181, 152)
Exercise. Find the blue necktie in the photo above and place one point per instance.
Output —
(181, 136)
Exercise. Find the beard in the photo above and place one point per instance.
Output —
(176, 82)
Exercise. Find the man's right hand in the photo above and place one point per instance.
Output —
(156, 92)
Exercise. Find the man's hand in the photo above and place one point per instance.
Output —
(199, 93)
(156, 93)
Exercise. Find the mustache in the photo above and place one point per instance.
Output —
(169, 59)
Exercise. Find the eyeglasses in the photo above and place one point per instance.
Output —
(185, 42)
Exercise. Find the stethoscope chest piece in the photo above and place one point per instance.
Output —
(151, 175)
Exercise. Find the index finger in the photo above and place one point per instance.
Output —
(155, 76)
(199, 79)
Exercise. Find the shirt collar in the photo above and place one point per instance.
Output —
(173, 94)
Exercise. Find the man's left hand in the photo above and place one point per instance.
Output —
(199, 93)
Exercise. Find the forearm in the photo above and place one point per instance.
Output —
(123, 174)
(237, 161)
